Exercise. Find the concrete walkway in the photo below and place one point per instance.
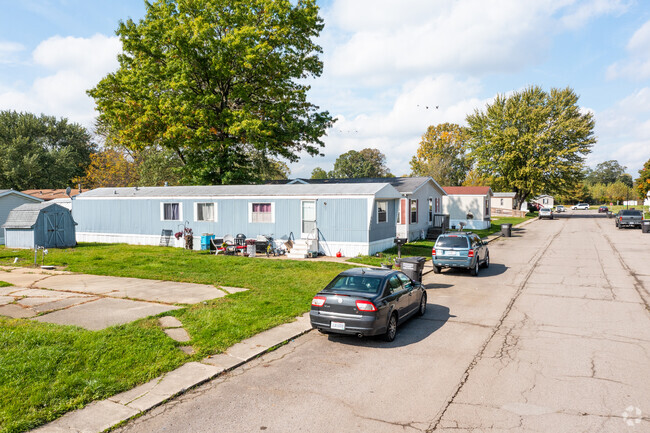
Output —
(101, 415)
(94, 302)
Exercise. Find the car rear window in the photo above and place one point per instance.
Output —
(628, 212)
(452, 242)
(356, 283)
(545, 209)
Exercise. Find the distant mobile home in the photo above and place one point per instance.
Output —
(469, 205)
(351, 218)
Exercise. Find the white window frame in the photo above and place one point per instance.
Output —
(417, 211)
(196, 212)
(250, 211)
(386, 211)
(180, 210)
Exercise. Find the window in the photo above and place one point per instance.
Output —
(501, 202)
(205, 212)
(261, 213)
(406, 281)
(545, 201)
(414, 211)
(382, 206)
(437, 205)
(394, 284)
(430, 210)
(171, 211)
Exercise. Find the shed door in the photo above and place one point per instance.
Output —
(54, 229)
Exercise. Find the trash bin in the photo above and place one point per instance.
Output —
(240, 239)
(645, 226)
(412, 267)
(506, 230)
(205, 240)
(609, 214)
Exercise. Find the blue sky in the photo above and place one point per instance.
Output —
(384, 62)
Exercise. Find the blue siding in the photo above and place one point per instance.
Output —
(379, 231)
(19, 238)
(343, 220)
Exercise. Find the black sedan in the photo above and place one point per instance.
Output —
(366, 302)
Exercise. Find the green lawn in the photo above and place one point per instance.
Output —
(47, 370)
(423, 248)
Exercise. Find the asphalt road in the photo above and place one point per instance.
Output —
(553, 337)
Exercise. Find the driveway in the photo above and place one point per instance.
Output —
(92, 301)
(554, 336)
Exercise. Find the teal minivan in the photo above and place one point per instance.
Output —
(463, 250)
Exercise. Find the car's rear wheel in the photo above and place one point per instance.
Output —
(486, 262)
(391, 329)
(474, 270)
(436, 269)
(423, 305)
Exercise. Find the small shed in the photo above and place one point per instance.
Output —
(43, 224)
(10, 200)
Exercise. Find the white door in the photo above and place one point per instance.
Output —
(308, 217)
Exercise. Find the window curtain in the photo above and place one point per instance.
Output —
(172, 211)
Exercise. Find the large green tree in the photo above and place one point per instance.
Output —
(365, 163)
(221, 83)
(442, 154)
(533, 141)
(608, 172)
(41, 151)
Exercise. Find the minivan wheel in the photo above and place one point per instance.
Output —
(423, 305)
(474, 271)
(391, 329)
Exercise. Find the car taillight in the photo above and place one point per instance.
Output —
(365, 306)
(318, 301)
(620, 218)
(470, 253)
(433, 252)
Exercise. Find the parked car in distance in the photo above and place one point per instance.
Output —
(581, 206)
(629, 218)
(603, 209)
(559, 208)
(463, 250)
(546, 212)
(365, 302)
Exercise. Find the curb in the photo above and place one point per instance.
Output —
(103, 415)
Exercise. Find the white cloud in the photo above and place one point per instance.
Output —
(624, 132)
(8, 50)
(378, 41)
(396, 132)
(71, 66)
(581, 12)
(637, 65)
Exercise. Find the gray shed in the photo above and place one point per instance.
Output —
(44, 224)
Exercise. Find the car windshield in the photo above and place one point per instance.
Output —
(451, 242)
(354, 283)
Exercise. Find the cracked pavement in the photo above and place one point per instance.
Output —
(554, 336)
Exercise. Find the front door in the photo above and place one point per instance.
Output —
(308, 217)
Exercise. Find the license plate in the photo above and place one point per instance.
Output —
(338, 325)
(453, 253)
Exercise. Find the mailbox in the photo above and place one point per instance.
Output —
(399, 242)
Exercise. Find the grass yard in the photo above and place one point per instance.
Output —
(423, 247)
(47, 370)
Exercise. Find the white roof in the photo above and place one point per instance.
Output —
(378, 190)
